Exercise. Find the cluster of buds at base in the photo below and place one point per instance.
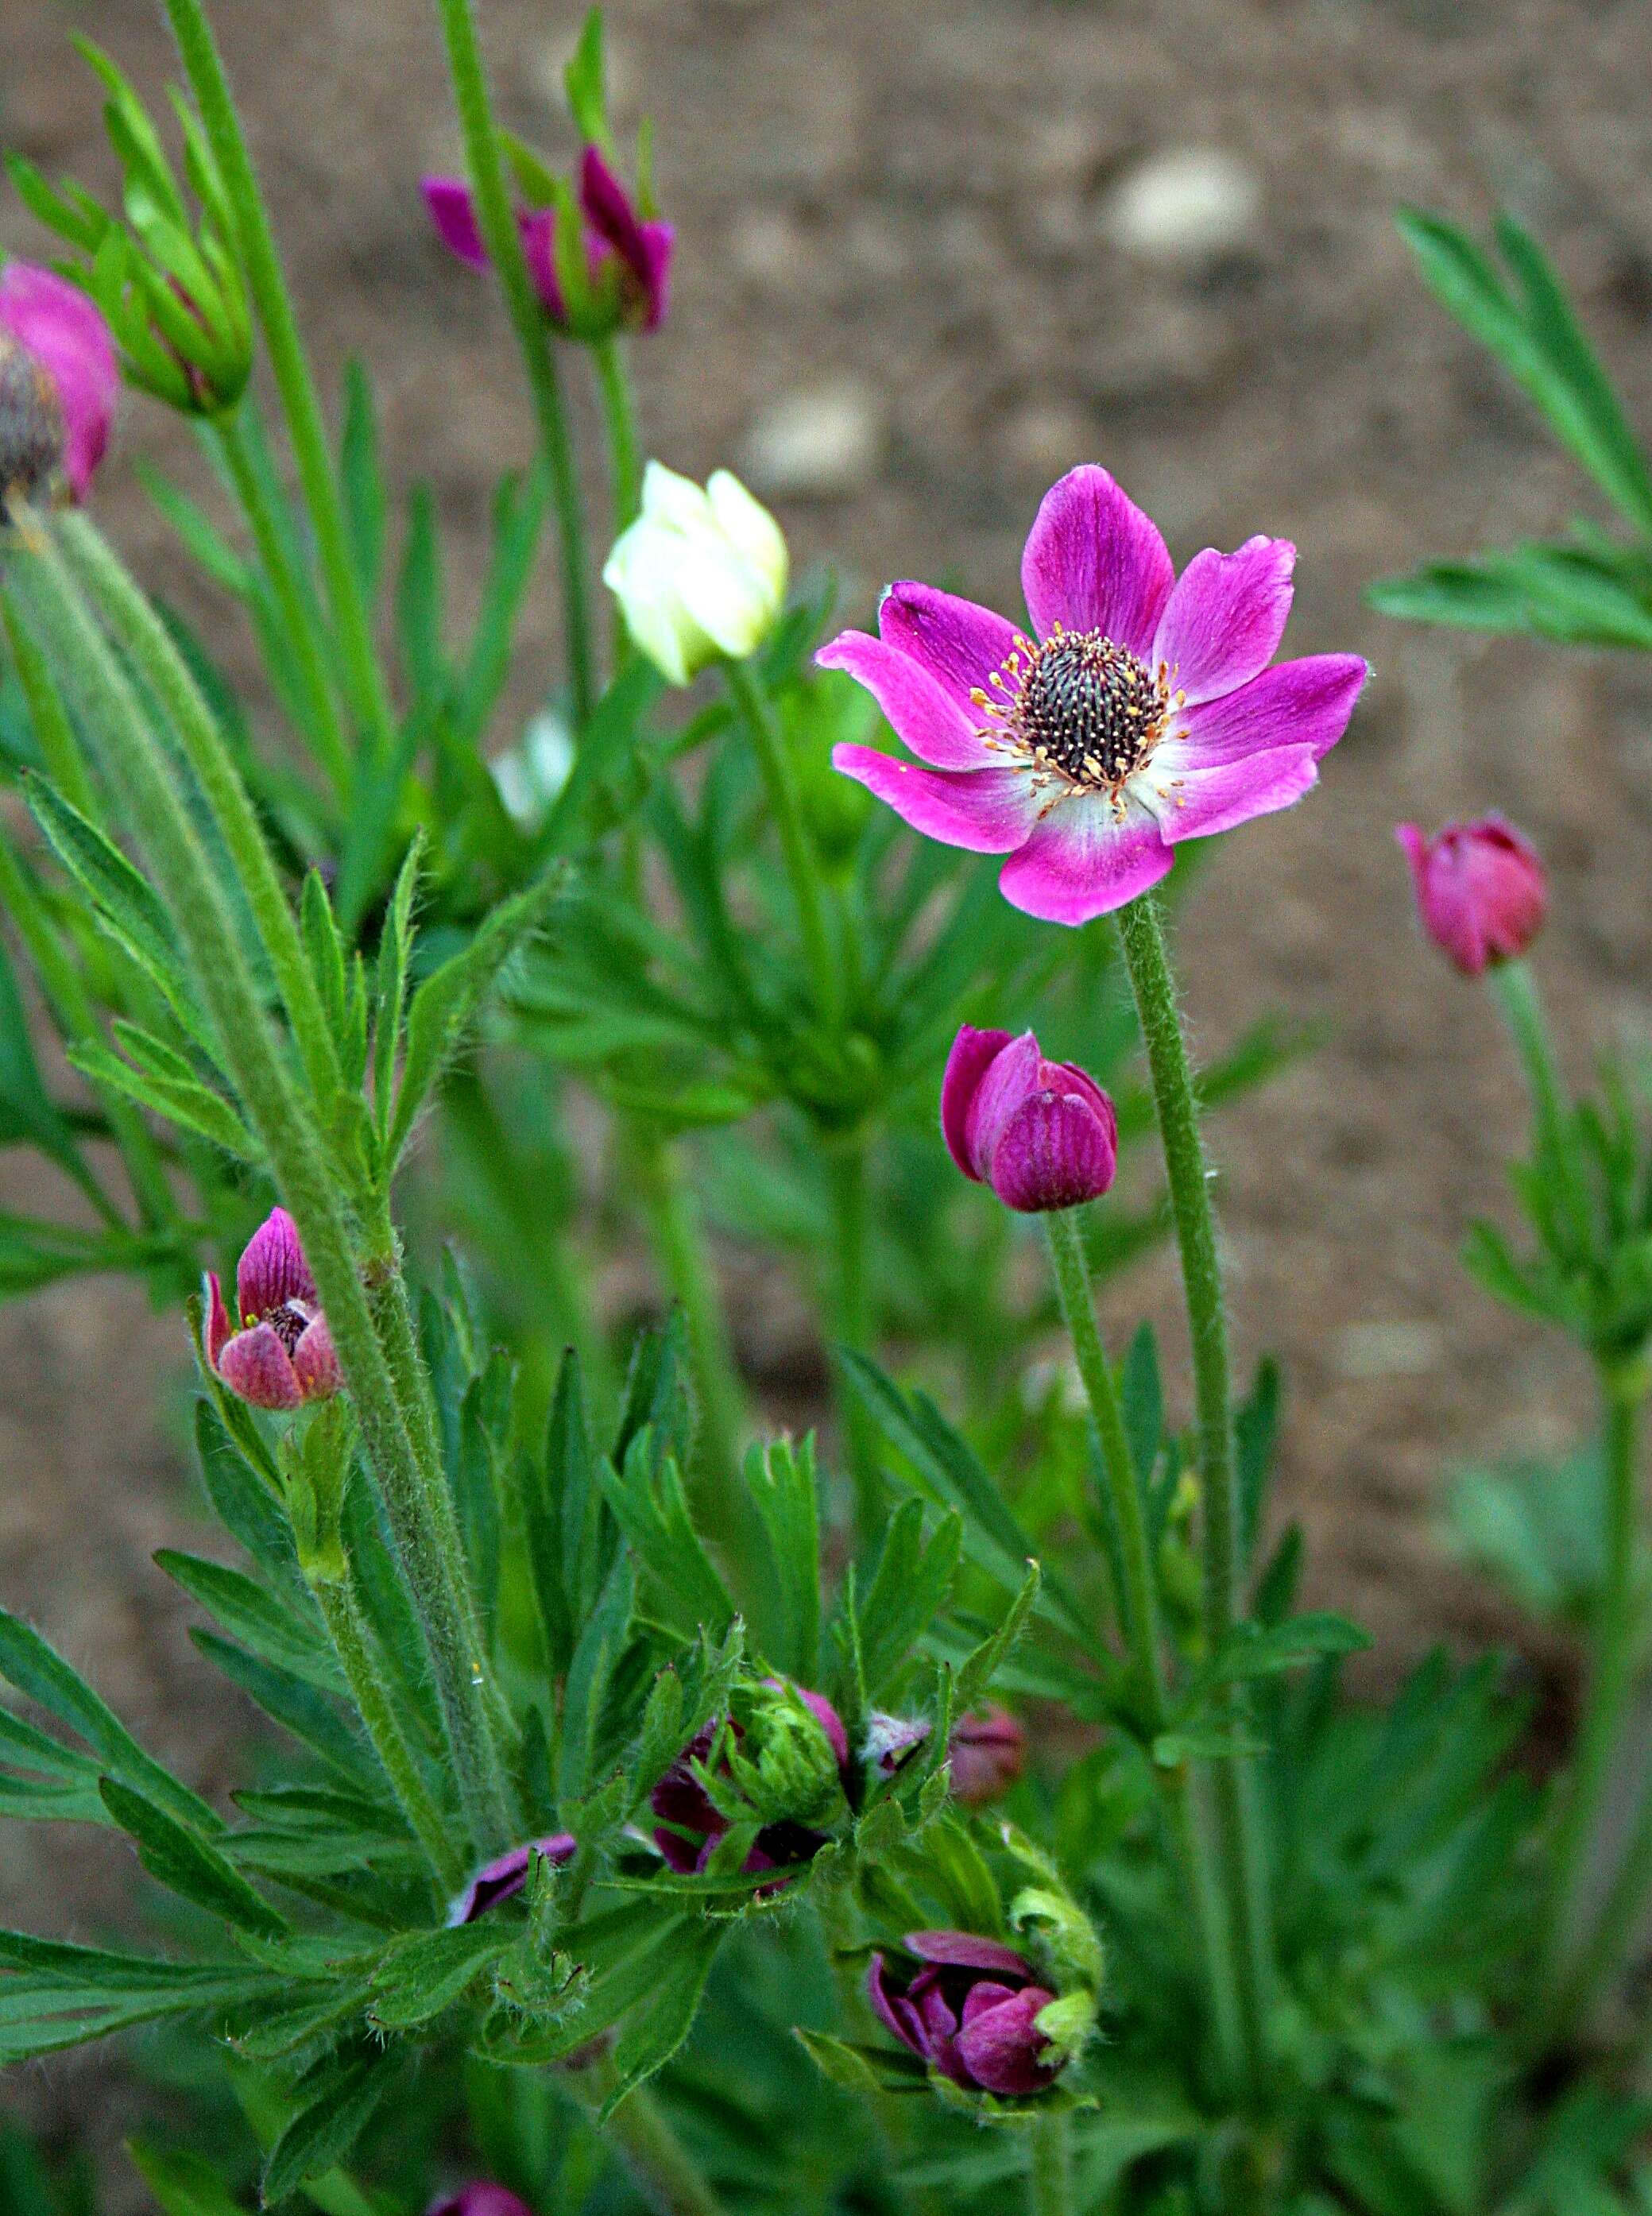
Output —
(480, 2199)
(782, 1764)
(1482, 890)
(1042, 1134)
(506, 1876)
(59, 383)
(165, 277)
(700, 575)
(280, 1352)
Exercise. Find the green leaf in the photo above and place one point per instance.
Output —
(653, 1510)
(420, 601)
(183, 2184)
(583, 77)
(183, 1101)
(780, 1479)
(278, 1632)
(343, 2095)
(181, 1860)
(908, 1587)
(361, 479)
(27, 1110)
(1557, 592)
(299, 1707)
(41, 1675)
(974, 1678)
(589, 1673)
(657, 2029)
(428, 1972)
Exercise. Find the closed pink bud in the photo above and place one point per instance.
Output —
(1482, 891)
(67, 343)
(988, 1753)
(279, 1353)
(970, 2009)
(1042, 1134)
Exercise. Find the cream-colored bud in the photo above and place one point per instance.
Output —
(699, 575)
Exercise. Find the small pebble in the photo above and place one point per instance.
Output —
(1187, 204)
(821, 444)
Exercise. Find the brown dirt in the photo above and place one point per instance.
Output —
(912, 198)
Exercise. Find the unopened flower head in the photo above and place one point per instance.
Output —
(784, 1759)
(1042, 1134)
(59, 384)
(278, 1351)
(504, 1877)
(1139, 710)
(970, 2007)
(987, 1753)
(700, 575)
(1482, 891)
(602, 267)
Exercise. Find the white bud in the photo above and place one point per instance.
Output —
(700, 574)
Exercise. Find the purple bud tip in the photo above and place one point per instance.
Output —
(480, 2199)
(65, 336)
(1042, 1134)
(1482, 890)
(988, 1753)
(279, 1354)
(970, 2010)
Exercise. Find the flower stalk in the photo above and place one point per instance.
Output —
(786, 808)
(1141, 935)
(664, 2172)
(1050, 2174)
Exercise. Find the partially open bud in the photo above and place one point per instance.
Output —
(503, 1878)
(279, 1354)
(699, 575)
(1482, 890)
(59, 384)
(1042, 1134)
(784, 1759)
(480, 2199)
(970, 2007)
(988, 1752)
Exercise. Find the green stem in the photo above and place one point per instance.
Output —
(1049, 2171)
(620, 418)
(787, 810)
(849, 1305)
(1142, 934)
(1517, 995)
(1142, 1627)
(65, 764)
(326, 731)
(204, 67)
(146, 639)
(662, 2167)
(497, 220)
(684, 1261)
(1615, 1931)
(1611, 1665)
(335, 1598)
(307, 1181)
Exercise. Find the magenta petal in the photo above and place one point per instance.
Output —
(215, 1325)
(1017, 1072)
(989, 811)
(506, 1875)
(958, 642)
(538, 227)
(927, 716)
(644, 247)
(453, 211)
(894, 2011)
(315, 1363)
(257, 1366)
(1225, 617)
(65, 331)
(657, 242)
(1081, 861)
(973, 1053)
(1206, 801)
(1295, 703)
(481, 2198)
(1094, 562)
(1053, 1153)
(963, 1950)
(829, 1721)
(272, 1270)
(1000, 2046)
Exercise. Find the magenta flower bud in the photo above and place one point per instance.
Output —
(1482, 891)
(480, 2199)
(988, 1753)
(1042, 1134)
(970, 2010)
(503, 1878)
(625, 265)
(688, 1824)
(65, 338)
(279, 1353)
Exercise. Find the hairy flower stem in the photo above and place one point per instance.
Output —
(337, 1600)
(787, 811)
(212, 947)
(849, 1305)
(1142, 934)
(1517, 995)
(1141, 1607)
(1558, 1992)
(324, 729)
(619, 421)
(664, 2172)
(485, 160)
(1049, 2171)
(204, 67)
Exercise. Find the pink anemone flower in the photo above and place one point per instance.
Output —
(64, 333)
(279, 1353)
(628, 257)
(1139, 710)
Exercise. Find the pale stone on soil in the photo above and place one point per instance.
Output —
(1185, 204)
(821, 444)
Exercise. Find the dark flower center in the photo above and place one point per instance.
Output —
(1081, 708)
(289, 1321)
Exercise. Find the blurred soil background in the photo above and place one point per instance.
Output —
(930, 255)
